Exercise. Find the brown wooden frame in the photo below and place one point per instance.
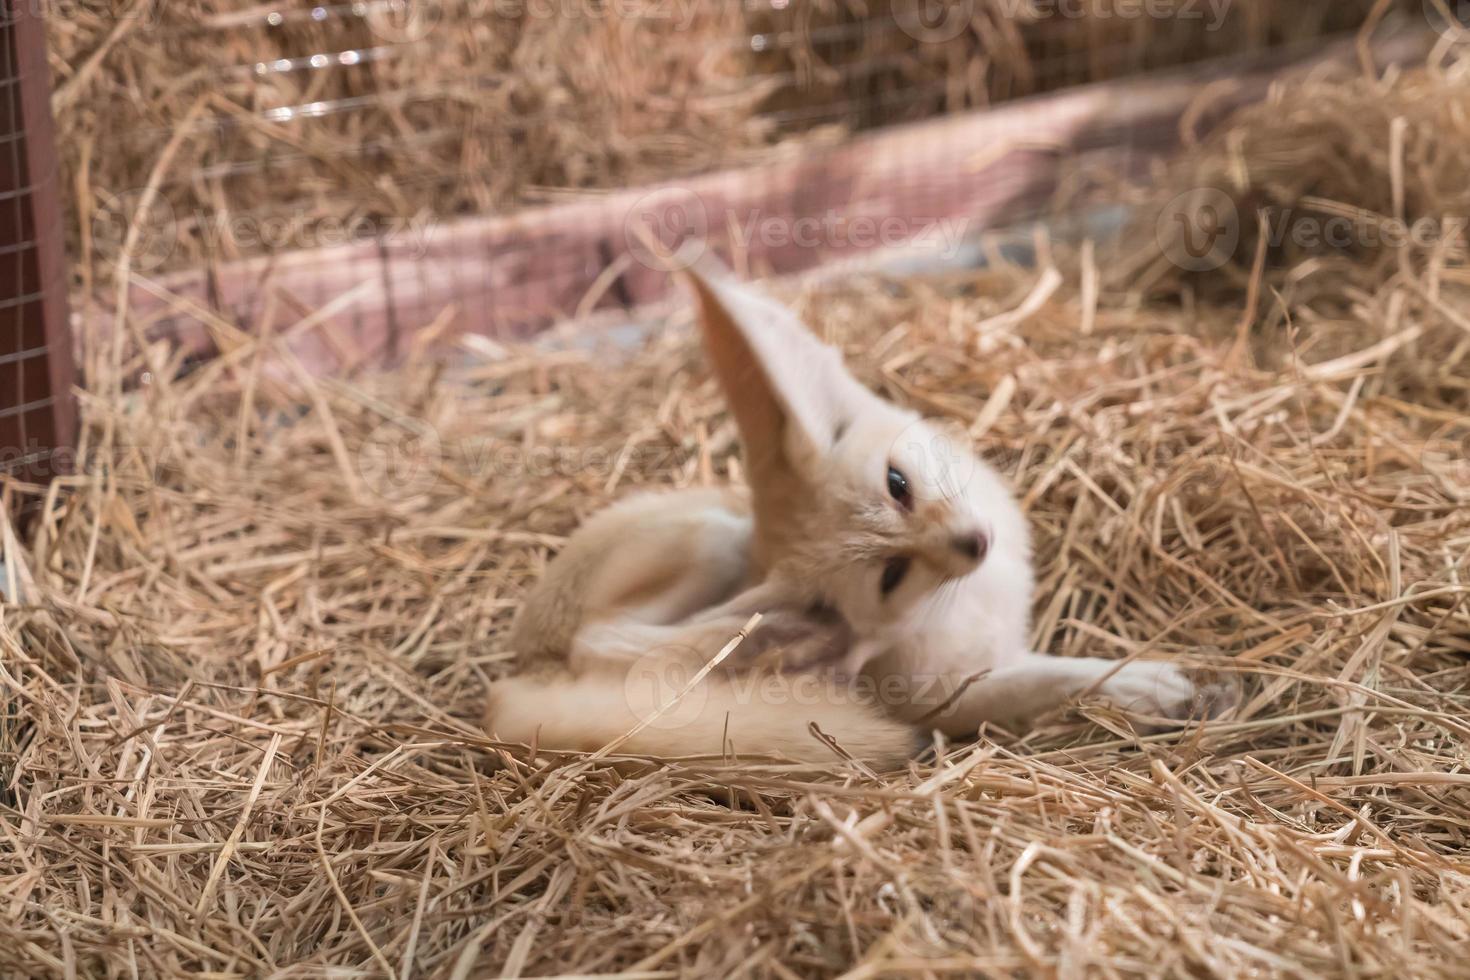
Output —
(37, 411)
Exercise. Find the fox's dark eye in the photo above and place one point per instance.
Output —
(894, 571)
(898, 487)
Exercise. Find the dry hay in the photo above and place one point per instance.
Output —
(1333, 185)
(244, 678)
(293, 129)
(871, 62)
(452, 113)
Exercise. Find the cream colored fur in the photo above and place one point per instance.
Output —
(590, 710)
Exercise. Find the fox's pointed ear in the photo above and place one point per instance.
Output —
(789, 392)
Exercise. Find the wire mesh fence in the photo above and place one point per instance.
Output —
(300, 124)
(376, 167)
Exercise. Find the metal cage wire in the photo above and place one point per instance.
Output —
(318, 108)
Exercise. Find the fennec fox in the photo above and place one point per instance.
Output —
(875, 547)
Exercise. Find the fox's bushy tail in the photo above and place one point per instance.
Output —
(752, 715)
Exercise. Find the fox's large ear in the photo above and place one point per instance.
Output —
(789, 392)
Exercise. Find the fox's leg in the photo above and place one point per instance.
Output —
(622, 641)
(653, 558)
(672, 571)
(1016, 695)
(805, 636)
(798, 638)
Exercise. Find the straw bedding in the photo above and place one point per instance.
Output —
(257, 629)
(297, 124)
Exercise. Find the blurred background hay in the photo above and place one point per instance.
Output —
(1334, 179)
(1316, 214)
(297, 121)
(255, 630)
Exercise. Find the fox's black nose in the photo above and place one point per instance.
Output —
(973, 545)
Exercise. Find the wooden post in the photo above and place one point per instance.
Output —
(37, 412)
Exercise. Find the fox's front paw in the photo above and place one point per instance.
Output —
(1162, 695)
